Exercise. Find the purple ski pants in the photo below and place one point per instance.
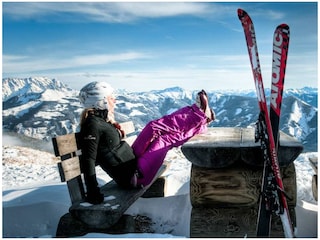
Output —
(161, 135)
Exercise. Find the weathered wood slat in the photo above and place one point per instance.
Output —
(71, 168)
(76, 190)
(65, 144)
(237, 186)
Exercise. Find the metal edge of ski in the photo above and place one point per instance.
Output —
(279, 61)
(249, 32)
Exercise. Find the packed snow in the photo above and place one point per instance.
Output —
(34, 199)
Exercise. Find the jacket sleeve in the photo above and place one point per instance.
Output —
(90, 140)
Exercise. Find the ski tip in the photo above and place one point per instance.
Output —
(284, 30)
(283, 26)
(241, 13)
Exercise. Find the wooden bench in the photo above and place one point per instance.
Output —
(117, 200)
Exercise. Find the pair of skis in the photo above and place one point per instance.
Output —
(273, 198)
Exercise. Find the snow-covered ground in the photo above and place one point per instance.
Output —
(34, 199)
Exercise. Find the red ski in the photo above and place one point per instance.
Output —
(279, 62)
(271, 201)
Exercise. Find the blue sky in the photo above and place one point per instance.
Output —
(146, 46)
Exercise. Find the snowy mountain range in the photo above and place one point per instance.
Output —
(42, 108)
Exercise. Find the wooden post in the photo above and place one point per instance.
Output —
(225, 201)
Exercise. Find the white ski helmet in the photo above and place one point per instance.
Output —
(93, 95)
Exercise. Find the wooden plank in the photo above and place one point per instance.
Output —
(117, 201)
(157, 189)
(76, 190)
(71, 168)
(64, 144)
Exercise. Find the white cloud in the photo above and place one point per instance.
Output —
(19, 64)
(267, 13)
(164, 78)
(99, 59)
(195, 72)
(163, 9)
(104, 12)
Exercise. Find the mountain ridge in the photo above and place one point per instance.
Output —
(43, 107)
